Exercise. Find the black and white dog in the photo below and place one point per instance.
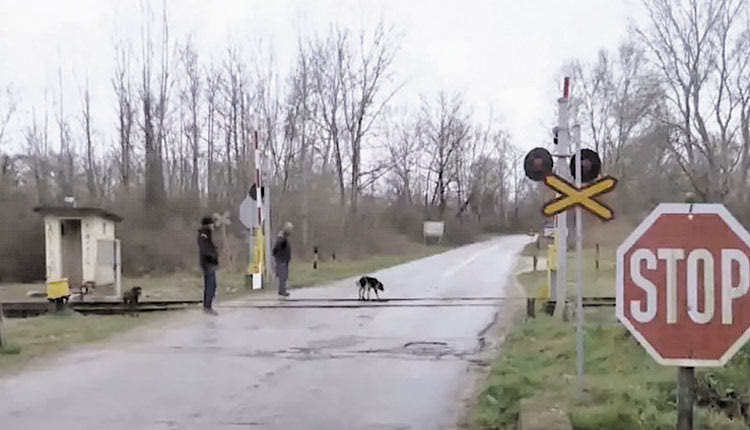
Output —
(367, 283)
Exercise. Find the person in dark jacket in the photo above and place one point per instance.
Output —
(209, 260)
(282, 254)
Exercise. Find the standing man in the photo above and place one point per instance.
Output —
(209, 260)
(282, 254)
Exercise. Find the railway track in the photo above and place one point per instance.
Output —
(587, 302)
(33, 309)
(36, 308)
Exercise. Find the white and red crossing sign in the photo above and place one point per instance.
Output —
(683, 277)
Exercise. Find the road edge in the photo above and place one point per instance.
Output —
(494, 336)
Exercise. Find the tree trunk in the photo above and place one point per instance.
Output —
(90, 181)
(305, 187)
(339, 172)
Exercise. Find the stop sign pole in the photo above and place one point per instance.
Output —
(562, 218)
(683, 277)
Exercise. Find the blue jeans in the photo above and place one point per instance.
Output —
(209, 286)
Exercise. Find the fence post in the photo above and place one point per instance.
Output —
(531, 307)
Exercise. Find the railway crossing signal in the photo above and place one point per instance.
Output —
(591, 165)
(571, 196)
(538, 164)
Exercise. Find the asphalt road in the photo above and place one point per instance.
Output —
(314, 362)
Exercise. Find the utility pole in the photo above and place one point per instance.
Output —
(562, 219)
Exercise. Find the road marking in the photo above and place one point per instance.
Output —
(453, 270)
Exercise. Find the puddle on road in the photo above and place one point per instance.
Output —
(428, 348)
(342, 348)
(337, 342)
(318, 327)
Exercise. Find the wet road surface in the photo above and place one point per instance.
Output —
(314, 362)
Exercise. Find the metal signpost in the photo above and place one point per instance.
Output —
(579, 263)
(255, 216)
(585, 166)
(562, 217)
(3, 343)
(682, 290)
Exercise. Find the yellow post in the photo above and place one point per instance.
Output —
(256, 265)
(551, 267)
(259, 250)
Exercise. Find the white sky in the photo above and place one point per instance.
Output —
(504, 54)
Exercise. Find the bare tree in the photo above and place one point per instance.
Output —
(618, 95)
(7, 109)
(404, 148)
(231, 111)
(691, 43)
(86, 125)
(65, 165)
(37, 149)
(125, 111)
(446, 129)
(365, 75)
(297, 125)
(212, 88)
(327, 63)
(191, 98)
(154, 108)
(265, 109)
(740, 89)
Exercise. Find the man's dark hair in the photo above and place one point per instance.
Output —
(207, 220)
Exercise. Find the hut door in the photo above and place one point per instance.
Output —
(72, 265)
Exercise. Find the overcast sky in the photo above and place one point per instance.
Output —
(505, 55)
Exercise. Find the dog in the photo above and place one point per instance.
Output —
(367, 283)
(131, 298)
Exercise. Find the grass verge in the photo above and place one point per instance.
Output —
(47, 334)
(624, 389)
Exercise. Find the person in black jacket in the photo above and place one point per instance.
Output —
(209, 261)
(282, 254)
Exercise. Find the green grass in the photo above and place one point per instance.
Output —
(597, 282)
(43, 335)
(624, 387)
(47, 334)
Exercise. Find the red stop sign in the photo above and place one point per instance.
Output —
(683, 277)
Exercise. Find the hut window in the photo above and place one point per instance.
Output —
(104, 227)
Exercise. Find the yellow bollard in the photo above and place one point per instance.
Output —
(551, 270)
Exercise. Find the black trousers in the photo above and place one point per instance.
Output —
(209, 286)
